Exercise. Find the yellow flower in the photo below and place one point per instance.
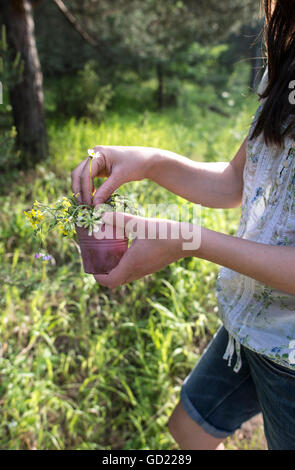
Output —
(29, 217)
(63, 230)
(66, 203)
(34, 217)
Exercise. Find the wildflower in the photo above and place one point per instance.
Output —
(28, 216)
(63, 230)
(31, 219)
(43, 257)
(66, 213)
(47, 258)
(34, 217)
(93, 154)
(66, 202)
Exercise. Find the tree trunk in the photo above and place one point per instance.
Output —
(27, 96)
(160, 90)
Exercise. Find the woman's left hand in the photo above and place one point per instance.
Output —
(156, 243)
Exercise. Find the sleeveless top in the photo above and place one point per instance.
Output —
(255, 315)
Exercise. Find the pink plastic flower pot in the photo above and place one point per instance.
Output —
(101, 256)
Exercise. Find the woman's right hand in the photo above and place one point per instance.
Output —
(119, 164)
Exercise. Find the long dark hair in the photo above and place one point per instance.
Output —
(277, 118)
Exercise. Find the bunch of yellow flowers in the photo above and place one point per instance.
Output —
(66, 213)
(57, 215)
(34, 216)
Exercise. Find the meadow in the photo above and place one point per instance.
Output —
(87, 368)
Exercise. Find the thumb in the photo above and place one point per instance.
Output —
(132, 224)
(106, 189)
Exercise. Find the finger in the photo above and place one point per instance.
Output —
(104, 170)
(107, 188)
(131, 224)
(86, 177)
(109, 280)
(118, 276)
(118, 219)
(103, 279)
(76, 188)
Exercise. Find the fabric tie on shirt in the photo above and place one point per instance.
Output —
(233, 346)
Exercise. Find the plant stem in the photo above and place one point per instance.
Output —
(43, 271)
(90, 182)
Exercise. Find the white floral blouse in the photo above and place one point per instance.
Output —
(255, 315)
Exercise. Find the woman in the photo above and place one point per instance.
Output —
(255, 288)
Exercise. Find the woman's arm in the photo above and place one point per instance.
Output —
(218, 185)
(271, 265)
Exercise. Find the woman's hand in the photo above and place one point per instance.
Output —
(119, 164)
(158, 243)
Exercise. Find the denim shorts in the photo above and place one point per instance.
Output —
(221, 400)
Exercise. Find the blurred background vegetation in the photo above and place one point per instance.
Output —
(83, 367)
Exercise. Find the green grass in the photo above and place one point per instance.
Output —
(83, 367)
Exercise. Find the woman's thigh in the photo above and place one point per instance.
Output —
(214, 396)
(275, 386)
